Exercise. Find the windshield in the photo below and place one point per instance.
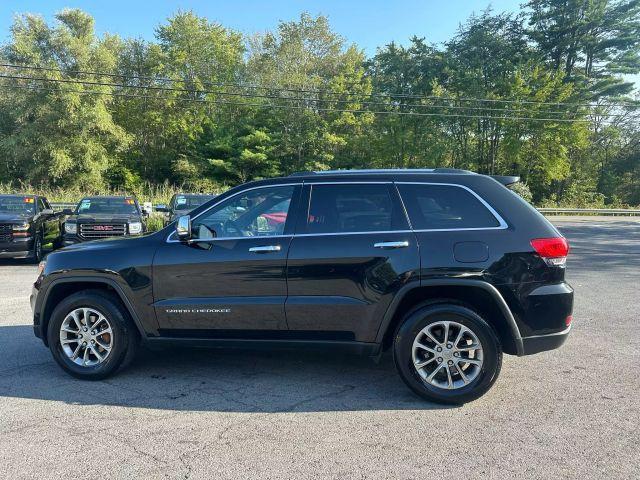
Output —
(123, 206)
(189, 202)
(17, 205)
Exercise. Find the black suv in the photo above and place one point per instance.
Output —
(448, 269)
(28, 225)
(104, 217)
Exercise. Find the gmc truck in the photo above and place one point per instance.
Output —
(28, 226)
(104, 217)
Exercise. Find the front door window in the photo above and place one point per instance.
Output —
(261, 212)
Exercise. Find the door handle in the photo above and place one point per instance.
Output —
(400, 244)
(265, 249)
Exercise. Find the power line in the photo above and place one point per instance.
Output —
(325, 92)
(253, 95)
(297, 107)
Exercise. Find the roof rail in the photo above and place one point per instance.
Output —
(506, 180)
(381, 171)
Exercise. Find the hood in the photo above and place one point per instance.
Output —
(103, 243)
(105, 218)
(15, 217)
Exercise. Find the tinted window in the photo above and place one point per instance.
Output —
(444, 206)
(18, 205)
(107, 205)
(189, 202)
(261, 212)
(352, 208)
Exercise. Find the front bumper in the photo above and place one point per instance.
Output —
(68, 239)
(17, 248)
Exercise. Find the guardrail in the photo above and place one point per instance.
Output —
(590, 211)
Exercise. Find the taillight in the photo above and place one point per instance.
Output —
(553, 250)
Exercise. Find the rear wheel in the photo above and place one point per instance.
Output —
(447, 353)
(90, 335)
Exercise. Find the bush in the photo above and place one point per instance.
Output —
(523, 190)
(154, 223)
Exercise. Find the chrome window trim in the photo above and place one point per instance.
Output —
(215, 239)
(502, 224)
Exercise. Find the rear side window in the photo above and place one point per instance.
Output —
(445, 207)
(353, 208)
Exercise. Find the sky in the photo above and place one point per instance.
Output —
(367, 23)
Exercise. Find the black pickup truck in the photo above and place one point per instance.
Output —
(182, 204)
(28, 224)
(104, 217)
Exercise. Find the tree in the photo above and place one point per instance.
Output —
(592, 41)
(307, 55)
(167, 124)
(57, 133)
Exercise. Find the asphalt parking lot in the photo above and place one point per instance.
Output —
(569, 413)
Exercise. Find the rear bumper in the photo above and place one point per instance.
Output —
(542, 343)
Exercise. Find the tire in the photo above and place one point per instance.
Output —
(36, 254)
(122, 338)
(467, 381)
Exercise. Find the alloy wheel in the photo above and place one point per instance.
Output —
(86, 337)
(447, 355)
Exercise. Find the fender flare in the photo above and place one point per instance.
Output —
(493, 291)
(97, 280)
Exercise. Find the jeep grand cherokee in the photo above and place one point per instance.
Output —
(447, 269)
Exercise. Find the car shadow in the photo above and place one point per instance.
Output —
(229, 380)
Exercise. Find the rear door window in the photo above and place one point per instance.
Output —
(352, 208)
(438, 207)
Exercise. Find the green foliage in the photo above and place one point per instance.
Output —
(206, 129)
(154, 223)
(523, 190)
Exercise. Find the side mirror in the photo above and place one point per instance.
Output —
(183, 228)
(67, 211)
(46, 211)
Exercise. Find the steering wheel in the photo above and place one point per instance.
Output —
(231, 226)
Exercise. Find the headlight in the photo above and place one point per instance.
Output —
(71, 228)
(135, 227)
(21, 227)
(41, 266)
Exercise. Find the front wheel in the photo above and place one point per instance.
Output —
(36, 254)
(447, 353)
(90, 335)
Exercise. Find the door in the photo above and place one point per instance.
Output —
(353, 251)
(50, 223)
(231, 275)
